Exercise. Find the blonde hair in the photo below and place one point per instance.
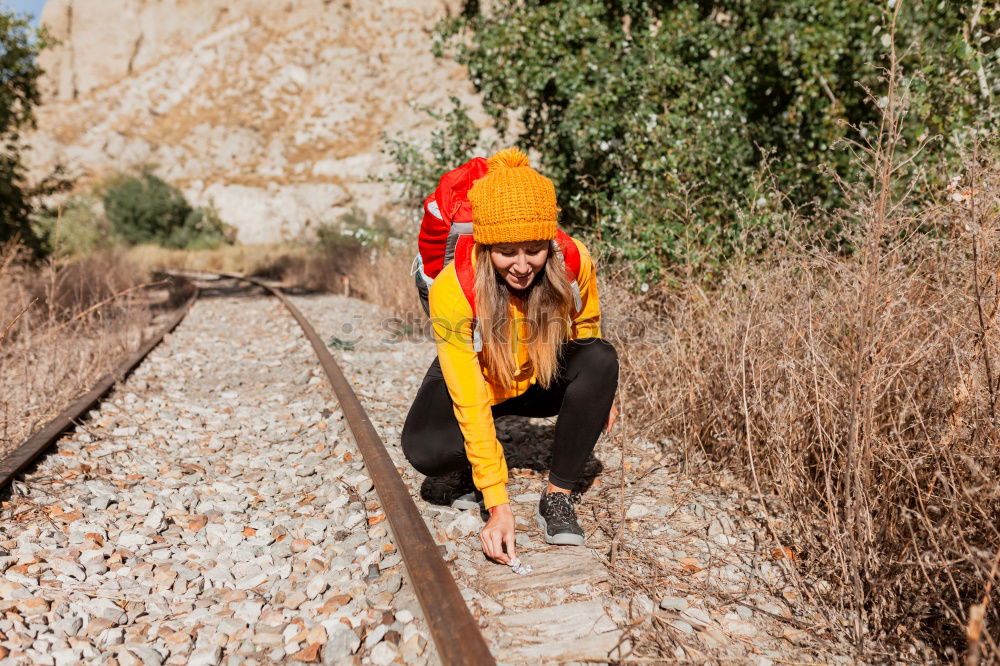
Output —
(547, 311)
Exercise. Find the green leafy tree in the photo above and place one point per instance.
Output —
(19, 95)
(655, 119)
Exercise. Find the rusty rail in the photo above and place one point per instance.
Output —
(453, 628)
(21, 457)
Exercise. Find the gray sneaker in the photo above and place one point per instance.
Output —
(467, 497)
(557, 520)
(468, 501)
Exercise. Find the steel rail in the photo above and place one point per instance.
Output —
(21, 457)
(456, 633)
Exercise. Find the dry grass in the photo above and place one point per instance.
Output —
(259, 260)
(63, 325)
(381, 276)
(862, 390)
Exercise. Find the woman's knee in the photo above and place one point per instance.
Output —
(417, 453)
(425, 453)
(597, 357)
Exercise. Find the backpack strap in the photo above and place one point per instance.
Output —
(455, 232)
(570, 252)
(571, 258)
(467, 281)
(464, 270)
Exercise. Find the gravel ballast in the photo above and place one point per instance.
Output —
(213, 511)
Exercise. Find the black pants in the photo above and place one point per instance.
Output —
(581, 395)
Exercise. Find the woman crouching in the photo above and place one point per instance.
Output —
(517, 333)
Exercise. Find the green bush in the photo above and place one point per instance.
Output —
(73, 227)
(657, 121)
(147, 209)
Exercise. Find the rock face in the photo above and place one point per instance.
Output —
(274, 112)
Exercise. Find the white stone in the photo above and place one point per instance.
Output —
(67, 569)
(315, 587)
(383, 654)
(248, 611)
(696, 617)
(741, 628)
(205, 656)
(637, 511)
(375, 635)
(465, 524)
(673, 603)
(341, 641)
(131, 540)
(683, 626)
(154, 520)
(65, 656)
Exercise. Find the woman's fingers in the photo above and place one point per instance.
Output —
(488, 544)
(508, 540)
(494, 546)
(498, 553)
(612, 417)
(493, 539)
(484, 538)
(498, 532)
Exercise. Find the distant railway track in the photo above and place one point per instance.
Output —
(455, 632)
(41, 440)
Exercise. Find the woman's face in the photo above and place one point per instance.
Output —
(519, 263)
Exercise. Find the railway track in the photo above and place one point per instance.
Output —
(455, 632)
(26, 453)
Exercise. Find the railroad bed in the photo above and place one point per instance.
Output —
(215, 510)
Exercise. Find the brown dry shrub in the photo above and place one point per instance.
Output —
(862, 390)
(63, 325)
(379, 275)
(258, 260)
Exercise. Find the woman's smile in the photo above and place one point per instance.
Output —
(522, 280)
(519, 263)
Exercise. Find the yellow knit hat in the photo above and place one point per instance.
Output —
(512, 203)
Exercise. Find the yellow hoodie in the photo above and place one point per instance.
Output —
(472, 393)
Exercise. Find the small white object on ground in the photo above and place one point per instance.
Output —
(518, 568)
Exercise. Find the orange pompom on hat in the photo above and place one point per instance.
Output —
(512, 203)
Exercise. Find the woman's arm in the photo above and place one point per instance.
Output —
(451, 319)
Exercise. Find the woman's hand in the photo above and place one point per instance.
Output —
(499, 532)
(612, 417)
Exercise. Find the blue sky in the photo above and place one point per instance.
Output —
(33, 7)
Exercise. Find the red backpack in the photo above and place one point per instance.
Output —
(446, 236)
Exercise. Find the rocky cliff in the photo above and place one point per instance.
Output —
(272, 111)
